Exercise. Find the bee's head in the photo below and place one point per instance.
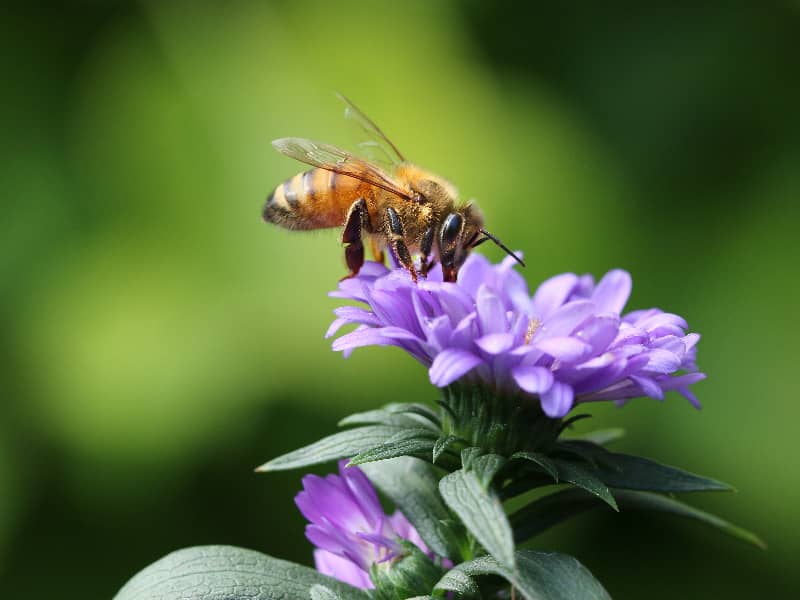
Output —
(460, 231)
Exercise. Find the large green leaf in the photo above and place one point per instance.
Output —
(400, 414)
(601, 437)
(344, 444)
(543, 513)
(481, 512)
(407, 442)
(413, 487)
(539, 576)
(228, 573)
(637, 473)
(583, 478)
(540, 460)
(320, 592)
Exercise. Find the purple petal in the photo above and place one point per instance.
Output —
(450, 365)
(612, 291)
(599, 333)
(476, 271)
(565, 320)
(534, 380)
(567, 349)
(557, 401)
(553, 293)
(342, 569)
(663, 361)
(361, 489)
(368, 336)
(495, 343)
(491, 312)
(649, 386)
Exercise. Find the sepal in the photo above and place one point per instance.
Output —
(414, 574)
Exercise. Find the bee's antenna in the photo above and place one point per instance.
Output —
(503, 246)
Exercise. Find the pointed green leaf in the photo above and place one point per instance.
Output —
(541, 460)
(413, 487)
(456, 580)
(486, 467)
(468, 455)
(543, 513)
(481, 512)
(441, 445)
(583, 478)
(601, 437)
(344, 444)
(379, 416)
(539, 576)
(228, 572)
(415, 408)
(408, 442)
(638, 473)
(320, 592)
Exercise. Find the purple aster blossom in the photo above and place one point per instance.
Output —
(348, 526)
(568, 343)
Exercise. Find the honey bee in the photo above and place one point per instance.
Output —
(403, 207)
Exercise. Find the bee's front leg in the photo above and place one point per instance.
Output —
(425, 246)
(398, 242)
(357, 220)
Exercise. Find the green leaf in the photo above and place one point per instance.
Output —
(468, 455)
(441, 445)
(486, 467)
(379, 416)
(539, 459)
(601, 437)
(543, 513)
(344, 444)
(417, 409)
(407, 442)
(405, 414)
(320, 592)
(637, 473)
(456, 580)
(413, 487)
(583, 478)
(228, 573)
(481, 512)
(539, 576)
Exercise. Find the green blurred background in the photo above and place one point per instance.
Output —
(159, 341)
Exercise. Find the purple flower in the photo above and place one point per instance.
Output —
(348, 525)
(566, 344)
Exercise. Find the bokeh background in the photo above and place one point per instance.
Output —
(159, 341)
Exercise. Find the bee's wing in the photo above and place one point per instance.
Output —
(339, 161)
(378, 145)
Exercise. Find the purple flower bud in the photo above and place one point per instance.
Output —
(348, 526)
(566, 344)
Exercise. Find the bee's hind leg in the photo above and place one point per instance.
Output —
(357, 220)
(398, 242)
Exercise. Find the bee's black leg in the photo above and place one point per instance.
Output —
(357, 220)
(425, 247)
(398, 242)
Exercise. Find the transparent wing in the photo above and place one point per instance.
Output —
(339, 161)
(378, 145)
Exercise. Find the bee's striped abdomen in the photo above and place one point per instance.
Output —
(313, 199)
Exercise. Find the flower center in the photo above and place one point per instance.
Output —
(533, 325)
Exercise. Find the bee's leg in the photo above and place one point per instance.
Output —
(357, 220)
(377, 250)
(425, 246)
(398, 242)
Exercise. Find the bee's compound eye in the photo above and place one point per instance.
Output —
(451, 228)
